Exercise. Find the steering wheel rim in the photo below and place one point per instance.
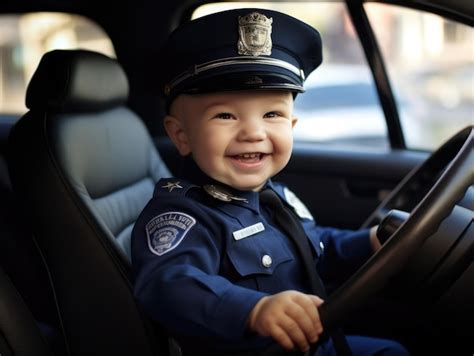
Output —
(402, 196)
(423, 221)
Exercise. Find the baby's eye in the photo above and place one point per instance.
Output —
(224, 116)
(272, 114)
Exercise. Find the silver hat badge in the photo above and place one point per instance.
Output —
(255, 35)
(221, 194)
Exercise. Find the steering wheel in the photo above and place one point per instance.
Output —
(437, 185)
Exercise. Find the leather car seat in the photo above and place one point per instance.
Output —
(84, 166)
(19, 334)
(23, 274)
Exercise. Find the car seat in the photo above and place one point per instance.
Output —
(19, 334)
(23, 269)
(84, 166)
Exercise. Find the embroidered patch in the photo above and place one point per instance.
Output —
(297, 204)
(167, 230)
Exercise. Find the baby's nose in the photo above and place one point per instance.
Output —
(252, 130)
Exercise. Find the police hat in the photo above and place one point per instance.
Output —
(240, 49)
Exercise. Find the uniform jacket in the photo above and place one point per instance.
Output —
(201, 264)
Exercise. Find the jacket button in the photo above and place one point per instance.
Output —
(266, 261)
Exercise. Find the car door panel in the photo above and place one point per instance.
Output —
(342, 187)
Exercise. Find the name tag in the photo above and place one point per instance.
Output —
(248, 231)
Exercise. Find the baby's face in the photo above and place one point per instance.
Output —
(239, 138)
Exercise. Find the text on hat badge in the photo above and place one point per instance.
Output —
(255, 35)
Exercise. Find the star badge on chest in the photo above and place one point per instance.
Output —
(172, 185)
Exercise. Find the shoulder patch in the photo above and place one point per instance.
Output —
(165, 231)
(297, 204)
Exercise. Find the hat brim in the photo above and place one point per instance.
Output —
(236, 78)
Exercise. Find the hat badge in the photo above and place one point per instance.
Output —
(255, 31)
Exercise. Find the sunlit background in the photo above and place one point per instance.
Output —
(24, 39)
(430, 62)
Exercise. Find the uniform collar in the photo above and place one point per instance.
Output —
(194, 174)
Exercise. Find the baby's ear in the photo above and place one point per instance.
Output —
(294, 120)
(175, 130)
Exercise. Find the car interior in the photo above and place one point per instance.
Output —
(80, 161)
(91, 193)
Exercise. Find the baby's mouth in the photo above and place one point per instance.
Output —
(249, 157)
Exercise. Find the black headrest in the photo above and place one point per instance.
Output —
(76, 81)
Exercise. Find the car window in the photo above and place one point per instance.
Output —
(340, 105)
(430, 62)
(24, 39)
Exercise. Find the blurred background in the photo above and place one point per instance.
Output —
(430, 62)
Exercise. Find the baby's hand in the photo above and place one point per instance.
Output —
(291, 318)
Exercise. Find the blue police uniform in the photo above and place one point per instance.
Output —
(202, 263)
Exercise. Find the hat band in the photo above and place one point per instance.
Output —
(199, 68)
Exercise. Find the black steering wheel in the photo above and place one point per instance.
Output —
(429, 194)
